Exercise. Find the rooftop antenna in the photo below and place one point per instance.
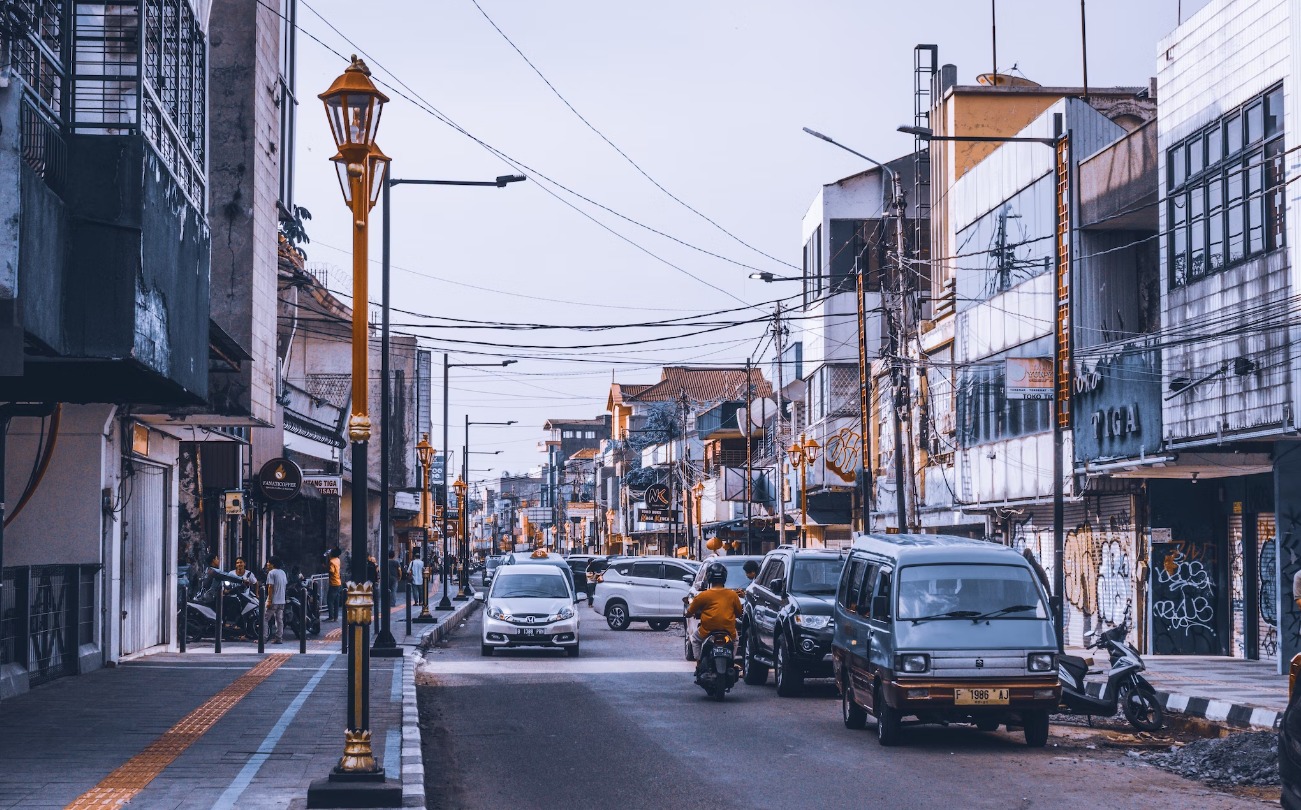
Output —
(993, 32)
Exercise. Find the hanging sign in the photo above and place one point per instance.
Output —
(280, 479)
(1029, 378)
(331, 485)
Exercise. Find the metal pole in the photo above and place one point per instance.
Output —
(385, 645)
(426, 570)
(863, 475)
(302, 617)
(462, 498)
(896, 362)
(749, 460)
(780, 442)
(445, 603)
(1062, 236)
(221, 617)
(261, 620)
(185, 605)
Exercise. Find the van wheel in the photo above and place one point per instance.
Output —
(1036, 728)
(855, 716)
(755, 674)
(572, 652)
(658, 624)
(987, 725)
(786, 673)
(616, 615)
(485, 651)
(887, 721)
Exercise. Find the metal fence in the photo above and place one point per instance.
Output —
(46, 613)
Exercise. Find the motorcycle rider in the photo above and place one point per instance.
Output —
(718, 607)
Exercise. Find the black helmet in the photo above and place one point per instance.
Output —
(716, 573)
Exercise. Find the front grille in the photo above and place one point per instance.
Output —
(992, 664)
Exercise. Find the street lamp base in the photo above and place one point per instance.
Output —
(355, 790)
(461, 595)
(385, 646)
(444, 603)
(424, 618)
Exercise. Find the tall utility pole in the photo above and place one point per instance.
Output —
(863, 475)
(777, 334)
(749, 460)
(898, 315)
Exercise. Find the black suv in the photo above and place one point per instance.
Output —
(788, 617)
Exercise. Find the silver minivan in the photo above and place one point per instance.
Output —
(945, 630)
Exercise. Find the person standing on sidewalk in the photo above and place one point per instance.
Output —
(418, 577)
(277, 585)
(336, 585)
(392, 582)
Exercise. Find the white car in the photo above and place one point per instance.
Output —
(530, 606)
(643, 589)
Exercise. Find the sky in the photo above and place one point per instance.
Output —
(707, 98)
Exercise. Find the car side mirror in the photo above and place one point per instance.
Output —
(479, 596)
(778, 586)
(687, 578)
(880, 607)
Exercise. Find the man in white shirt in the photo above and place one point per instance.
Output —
(418, 577)
(277, 585)
(241, 571)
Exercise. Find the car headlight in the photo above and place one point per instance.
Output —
(565, 613)
(812, 622)
(497, 613)
(912, 662)
(1041, 662)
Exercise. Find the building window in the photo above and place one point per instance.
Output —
(985, 414)
(288, 102)
(1225, 191)
(813, 266)
(855, 243)
(566, 434)
(589, 434)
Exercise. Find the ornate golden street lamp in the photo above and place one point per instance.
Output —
(462, 514)
(353, 107)
(802, 454)
(425, 453)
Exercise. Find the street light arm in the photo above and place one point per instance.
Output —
(927, 134)
(878, 163)
(500, 182)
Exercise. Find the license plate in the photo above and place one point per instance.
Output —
(981, 697)
(533, 631)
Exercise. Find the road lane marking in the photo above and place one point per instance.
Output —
(133, 776)
(533, 666)
(245, 776)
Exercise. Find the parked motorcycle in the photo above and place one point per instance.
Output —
(240, 612)
(716, 671)
(297, 591)
(1125, 688)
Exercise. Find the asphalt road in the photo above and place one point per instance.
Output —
(625, 727)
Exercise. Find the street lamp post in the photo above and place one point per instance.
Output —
(1061, 146)
(461, 516)
(803, 453)
(353, 106)
(699, 492)
(463, 581)
(446, 603)
(425, 453)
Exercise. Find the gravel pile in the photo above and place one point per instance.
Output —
(1248, 758)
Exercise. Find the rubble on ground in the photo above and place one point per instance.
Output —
(1248, 758)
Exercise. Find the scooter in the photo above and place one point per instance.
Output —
(239, 614)
(1125, 688)
(716, 671)
(294, 597)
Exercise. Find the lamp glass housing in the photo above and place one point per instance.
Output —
(354, 115)
(377, 167)
(341, 168)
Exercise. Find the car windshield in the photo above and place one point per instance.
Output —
(526, 586)
(968, 591)
(816, 576)
(493, 562)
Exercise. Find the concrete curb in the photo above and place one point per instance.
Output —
(1238, 716)
(413, 764)
(446, 625)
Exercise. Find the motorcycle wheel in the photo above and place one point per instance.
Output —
(1141, 707)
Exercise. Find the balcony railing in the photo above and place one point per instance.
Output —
(44, 148)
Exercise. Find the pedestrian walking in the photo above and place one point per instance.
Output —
(336, 584)
(274, 605)
(372, 574)
(417, 569)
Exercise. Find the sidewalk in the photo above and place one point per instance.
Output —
(1229, 691)
(197, 729)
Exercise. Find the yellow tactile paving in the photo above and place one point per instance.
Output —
(122, 785)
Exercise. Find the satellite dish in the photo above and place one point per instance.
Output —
(761, 410)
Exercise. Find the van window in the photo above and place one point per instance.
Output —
(851, 584)
(884, 589)
(870, 575)
(648, 570)
(968, 590)
(674, 572)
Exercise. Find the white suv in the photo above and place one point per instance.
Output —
(643, 589)
(530, 606)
